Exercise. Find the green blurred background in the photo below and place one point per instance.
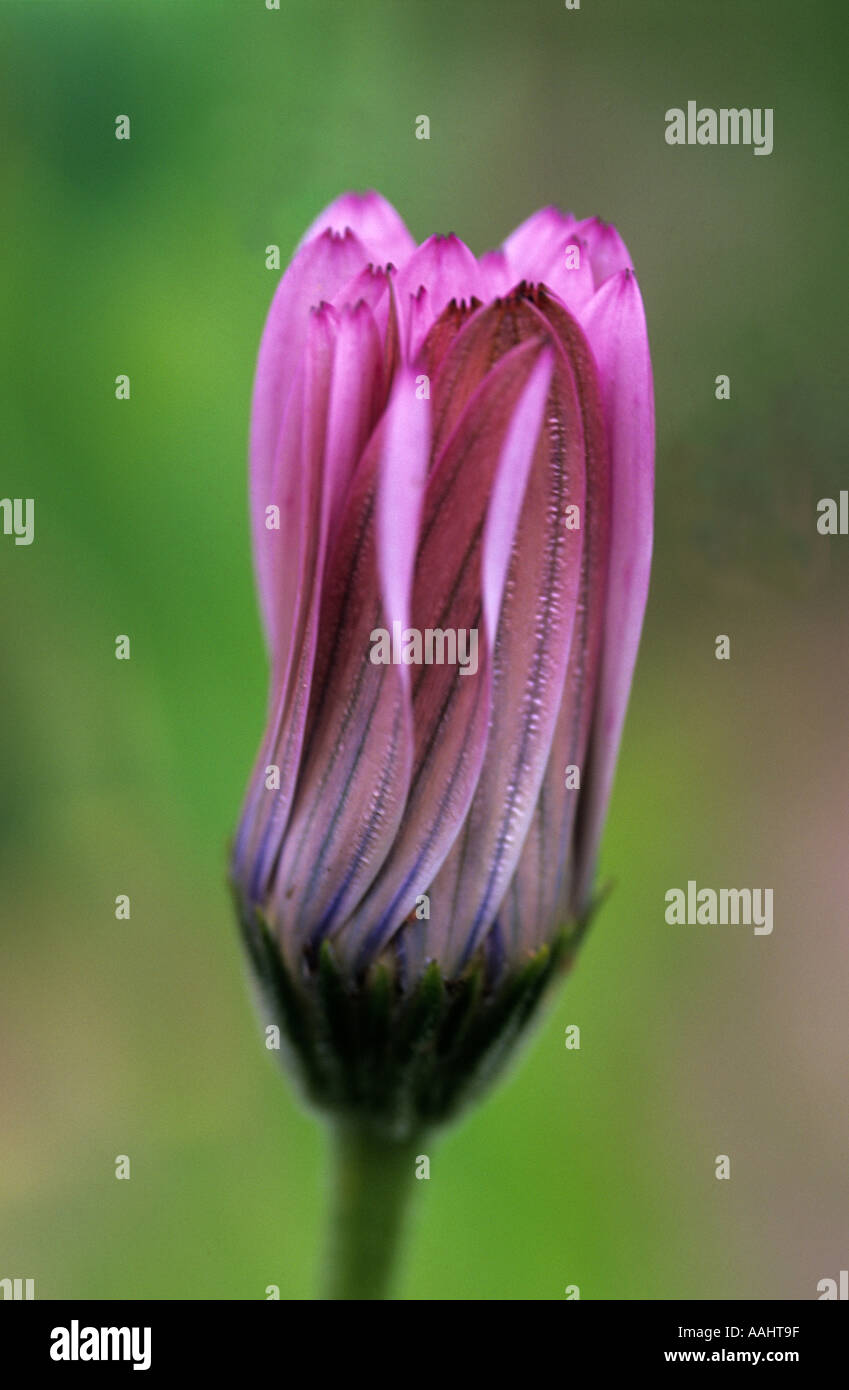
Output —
(595, 1167)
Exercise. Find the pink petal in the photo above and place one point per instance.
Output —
(496, 274)
(415, 319)
(358, 749)
(531, 660)
(372, 286)
(467, 534)
(369, 284)
(403, 476)
(573, 284)
(482, 337)
(540, 895)
(442, 333)
(356, 398)
(447, 270)
(391, 333)
(511, 478)
(608, 252)
(293, 558)
(536, 241)
(373, 220)
(616, 327)
(317, 272)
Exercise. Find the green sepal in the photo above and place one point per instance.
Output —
(399, 1061)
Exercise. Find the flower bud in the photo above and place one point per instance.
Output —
(451, 494)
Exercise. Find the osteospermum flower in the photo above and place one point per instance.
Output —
(441, 446)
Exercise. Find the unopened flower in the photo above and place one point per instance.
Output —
(451, 492)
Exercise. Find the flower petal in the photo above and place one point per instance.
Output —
(447, 270)
(316, 274)
(293, 557)
(480, 341)
(569, 273)
(356, 397)
(539, 899)
(369, 284)
(358, 747)
(497, 274)
(608, 252)
(536, 241)
(403, 476)
(461, 567)
(531, 658)
(373, 220)
(441, 336)
(616, 327)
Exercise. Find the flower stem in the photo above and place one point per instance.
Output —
(373, 1180)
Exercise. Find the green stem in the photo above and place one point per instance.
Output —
(373, 1181)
